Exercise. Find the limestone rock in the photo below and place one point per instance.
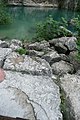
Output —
(4, 44)
(27, 96)
(62, 67)
(71, 43)
(39, 45)
(68, 42)
(3, 54)
(71, 86)
(78, 73)
(74, 60)
(52, 57)
(36, 53)
(64, 57)
(60, 48)
(15, 44)
(35, 65)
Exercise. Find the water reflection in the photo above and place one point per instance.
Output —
(25, 19)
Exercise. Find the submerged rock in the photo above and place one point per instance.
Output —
(29, 97)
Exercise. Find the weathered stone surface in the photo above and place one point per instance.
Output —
(3, 53)
(4, 44)
(60, 48)
(36, 66)
(36, 53)
(71, 87)
(68, 42)
(15, 44)
(52, 57)
(78, 73)
(62, 67)
(71, 43)
(64, 57)
(74, 60)
(27, 96)
(43, 45)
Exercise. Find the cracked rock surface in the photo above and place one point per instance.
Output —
(3, 53)
(30, 97)
(27, 64)
(71, 86)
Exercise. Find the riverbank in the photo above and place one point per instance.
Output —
(35, 77)
(34, 5)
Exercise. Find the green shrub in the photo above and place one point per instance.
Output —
(52, 29)
(21, 51)
(5, 18)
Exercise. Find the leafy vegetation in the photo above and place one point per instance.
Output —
(52, 29)
(21, 51)
(4, 16)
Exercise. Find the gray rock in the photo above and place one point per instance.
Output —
(43, 45)
(71, 86)
(78, 73)
(60, 48)
(4, 44)
(28, 96)
(62, 67)
(15, 44)
(27, 64)
(71, 44)
(58, 40)
(36, 53)
(3, 54)
(68, 42)
(64, 57)
(74, 60)
(52, 57)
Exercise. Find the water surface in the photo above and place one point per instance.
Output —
(26, 18)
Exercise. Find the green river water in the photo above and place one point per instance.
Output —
(26, 18)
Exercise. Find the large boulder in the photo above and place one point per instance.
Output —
(64, 44)
(71, 87)
(3, 54)
(52, 57)
(62, 67)
(35, 65)
(30, 97)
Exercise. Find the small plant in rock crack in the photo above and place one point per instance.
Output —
(22, 51)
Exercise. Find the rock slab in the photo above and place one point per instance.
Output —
(30, 97)
(71, 87)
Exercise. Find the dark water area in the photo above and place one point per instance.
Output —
(26, 18)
